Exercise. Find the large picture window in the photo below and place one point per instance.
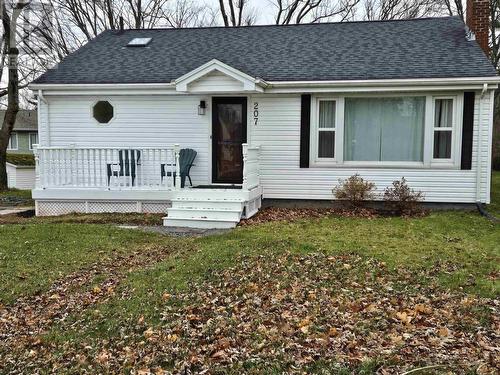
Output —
(384, 129)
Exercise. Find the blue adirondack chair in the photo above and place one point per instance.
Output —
(127, 161)
(186, 159)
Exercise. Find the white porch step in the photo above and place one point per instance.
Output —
(205, 213)
(193, 193)
(214, 204)
(202, 223)
(206, 208)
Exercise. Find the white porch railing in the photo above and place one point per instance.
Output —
(251, 167)
(113, 168)
(121, 168)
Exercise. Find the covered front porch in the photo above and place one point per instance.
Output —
(142, 179)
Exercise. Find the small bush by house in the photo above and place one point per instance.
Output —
(401, 199)
(354, 191)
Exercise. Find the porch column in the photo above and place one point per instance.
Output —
(245, 158)
(177, 150)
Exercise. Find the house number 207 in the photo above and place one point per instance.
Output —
(255, 113)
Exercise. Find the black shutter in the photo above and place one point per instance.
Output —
(305, 130)
(467, 130)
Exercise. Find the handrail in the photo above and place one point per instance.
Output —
(101, 148)
(108, 168)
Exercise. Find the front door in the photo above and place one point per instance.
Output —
(229, 132)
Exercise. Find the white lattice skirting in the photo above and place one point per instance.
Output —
(61, 207)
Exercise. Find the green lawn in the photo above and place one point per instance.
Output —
(32, 257)
(26, 194)
(494, 207)
(14, 197)
(251, 300)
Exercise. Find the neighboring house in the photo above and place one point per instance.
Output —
(25, 132)
(20, 171)
(20, 164)
(273, 112)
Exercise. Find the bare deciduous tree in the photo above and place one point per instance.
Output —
(240, 14)
(300, 11)
(186, 13)
(399, 9)
(10, 23)
(454, 7)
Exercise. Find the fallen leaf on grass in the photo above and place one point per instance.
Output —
(443, 332)
(219, 355)
(149, 333)
(404, 317)
(423, 309)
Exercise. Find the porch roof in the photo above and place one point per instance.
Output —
(405, 49)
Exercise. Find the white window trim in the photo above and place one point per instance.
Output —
(428, 152)
(456, 132)
(13, 134)
(30, 145)
(314, 149)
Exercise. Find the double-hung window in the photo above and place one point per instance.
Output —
(12, 142)
(443, 128)
(33, 140)
(326, 129)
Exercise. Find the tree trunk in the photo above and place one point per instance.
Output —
(10, 29)
(3, 170)
(10, 115)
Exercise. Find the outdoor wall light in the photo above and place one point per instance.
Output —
(202, 107)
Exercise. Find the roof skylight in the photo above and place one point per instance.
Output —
(139, 42)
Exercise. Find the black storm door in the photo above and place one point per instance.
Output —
(229, 132)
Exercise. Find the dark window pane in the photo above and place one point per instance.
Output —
(103, 112)
(326, 148)
(442, 144)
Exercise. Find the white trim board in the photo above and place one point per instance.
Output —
(179, 85)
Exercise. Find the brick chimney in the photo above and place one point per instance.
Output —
(478, 20)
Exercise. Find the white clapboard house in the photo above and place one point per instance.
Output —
(272, 112)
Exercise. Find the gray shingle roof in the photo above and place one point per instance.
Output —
(419, 48)
(26, 120)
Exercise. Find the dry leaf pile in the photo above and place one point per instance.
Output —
(291, 214)
(292, 311)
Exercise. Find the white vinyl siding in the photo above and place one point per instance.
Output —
(20, 177)
(163, 120)
(278, 133)
(139, 121)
